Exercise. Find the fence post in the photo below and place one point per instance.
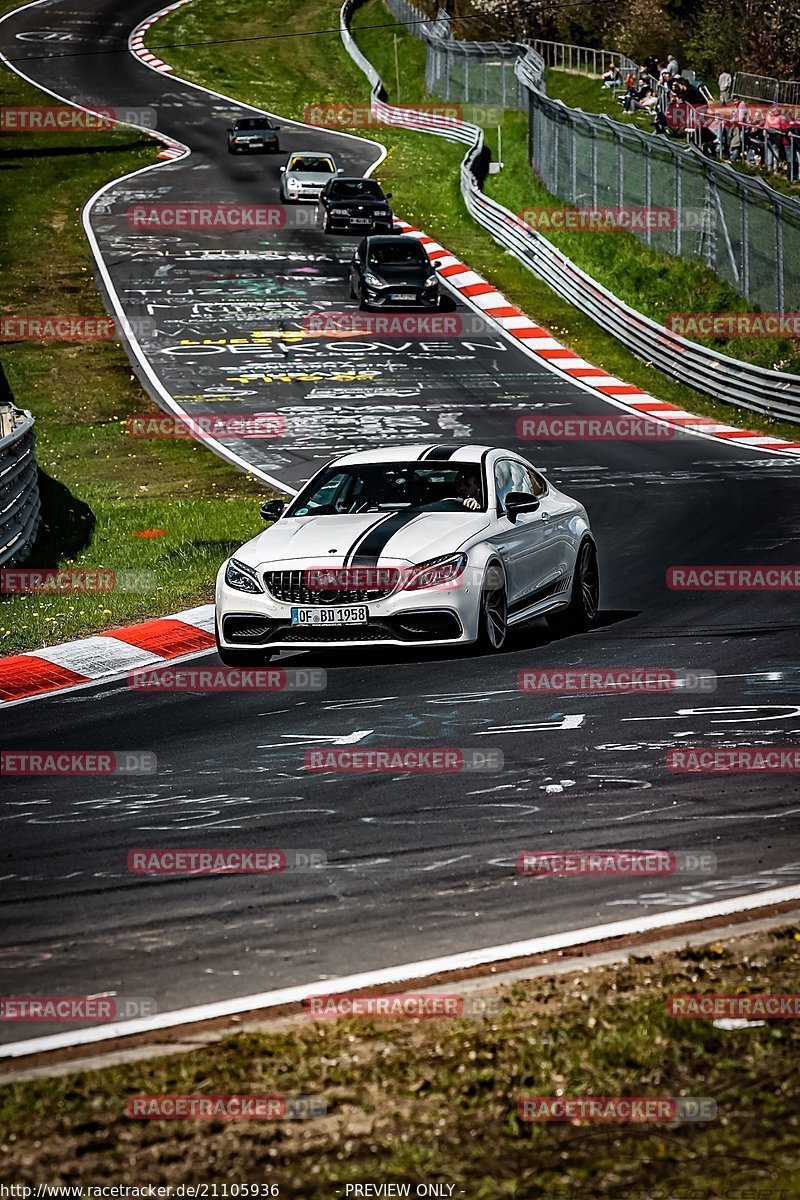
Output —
(573, 178)
(648, 192)
(779, 281)
(745, 245)
(620, 170)
(594, 166)
(709, 224)
(678, 206)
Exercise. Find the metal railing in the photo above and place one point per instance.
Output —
(20, 506)
(762, 87)
(583, 59)
(728, 379)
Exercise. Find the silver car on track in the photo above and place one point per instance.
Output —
(409, 546)
(305, 175)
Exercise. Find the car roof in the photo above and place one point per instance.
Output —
(422, 452)
(311, 154)
(390, 239)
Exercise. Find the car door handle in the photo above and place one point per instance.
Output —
(545, 516)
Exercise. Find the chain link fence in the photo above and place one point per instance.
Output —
(739, 226)
(751, 387)
(480, 73)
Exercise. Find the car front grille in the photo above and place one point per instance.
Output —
(291, 587)
(334, 633)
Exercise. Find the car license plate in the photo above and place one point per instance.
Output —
(404, 296)
(359, 220)
(356, 614)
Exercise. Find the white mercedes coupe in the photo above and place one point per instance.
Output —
(409, 546)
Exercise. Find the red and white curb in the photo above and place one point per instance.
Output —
(480, 294)
(105, 655)
(137, 47)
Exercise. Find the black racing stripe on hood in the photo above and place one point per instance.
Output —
(375, 540)
(365, 533)
(440, 453)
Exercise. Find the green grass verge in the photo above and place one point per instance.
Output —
(422, 173)
(435, 1100)
(99, 487)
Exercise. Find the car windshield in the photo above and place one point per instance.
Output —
(356, 189)
(320, 166)
(250, 123)
(397, 254)
(393, 487)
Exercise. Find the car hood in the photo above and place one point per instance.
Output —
(378, 538)
(360, 202)
(320, 177)
(409, 273)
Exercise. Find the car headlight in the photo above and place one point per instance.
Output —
(241, 577)
(373, 280)
(436, 572)
(339, 212)
(431, 281)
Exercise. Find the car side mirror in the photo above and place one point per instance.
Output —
(520, 502)
(276, 127)
(272, 509)
(230, 129)
(388, 195)
(283, 170)
(340, 170)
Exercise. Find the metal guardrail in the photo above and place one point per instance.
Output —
(20, 506)
(763, 87)
(725, 378)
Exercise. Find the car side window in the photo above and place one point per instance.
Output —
(537, 483)
(510, 476)
(503, 482)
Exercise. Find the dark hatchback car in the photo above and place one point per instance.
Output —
(393, 271)
(355, 205)
(253, 135)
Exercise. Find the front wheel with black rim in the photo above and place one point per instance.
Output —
(581, 612)
(493, 619)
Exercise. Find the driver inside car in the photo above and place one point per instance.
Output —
(469, 490)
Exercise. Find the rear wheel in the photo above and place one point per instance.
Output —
(493, 620)
(581, 612)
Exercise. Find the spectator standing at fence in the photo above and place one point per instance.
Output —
(672, 64)
(776, 128)
(725, 84)
(754, 137)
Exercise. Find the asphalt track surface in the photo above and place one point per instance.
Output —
(418, 865)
